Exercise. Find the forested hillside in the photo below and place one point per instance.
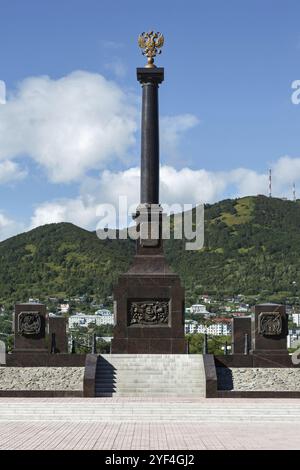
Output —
(252, 245)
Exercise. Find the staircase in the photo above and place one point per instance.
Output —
(152, 375)
(149, 410)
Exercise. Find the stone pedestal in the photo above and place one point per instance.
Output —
(269, 329)
(149, 308)
(241, 326)
(58, 327)
(30, 328)
(149, 298)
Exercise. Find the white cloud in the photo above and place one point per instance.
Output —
(82, 210)
(286, 170)
(69, 125)
(172, 130)
(247, 182)
(10, 171)
(111, 184)
(77, 211)
(9, 227)
(184, 186)
(82, 122)
(78, 123)
(4, 221)
(117, 66)
(188, 186)
(2, 92)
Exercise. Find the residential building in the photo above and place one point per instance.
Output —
(64, 308)
(206, 299)
(296, 318)
(104, 312)
(243, 307)
(217, 328)
(198, 308)
(190, 326)
(83, 320)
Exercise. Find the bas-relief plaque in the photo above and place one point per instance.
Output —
(270, 323)
(148, 312)
(29, 323)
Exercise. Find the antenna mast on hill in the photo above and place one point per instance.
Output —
(294, 192)
(270, 182)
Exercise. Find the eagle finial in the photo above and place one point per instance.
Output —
(151, 44)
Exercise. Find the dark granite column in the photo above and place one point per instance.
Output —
(150, 80)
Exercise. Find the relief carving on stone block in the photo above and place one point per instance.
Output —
(148, 312)
(29, 323)
(270, 323)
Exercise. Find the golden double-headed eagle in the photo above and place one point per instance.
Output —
(151, 44)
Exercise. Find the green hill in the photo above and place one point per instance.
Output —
(252, 246)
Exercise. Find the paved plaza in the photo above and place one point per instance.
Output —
(148, 423)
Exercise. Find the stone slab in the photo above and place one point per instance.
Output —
(29, 322)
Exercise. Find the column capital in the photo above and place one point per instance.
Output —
(150, 75)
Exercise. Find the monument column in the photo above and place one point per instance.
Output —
(149, 298)
(150, 78)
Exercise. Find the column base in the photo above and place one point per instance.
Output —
(148, 346)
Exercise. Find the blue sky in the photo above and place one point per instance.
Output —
(225, 106)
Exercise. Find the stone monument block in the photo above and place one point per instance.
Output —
(58, 327)
(30, 328)
(241, 326)
(269, 328)
(149, 315)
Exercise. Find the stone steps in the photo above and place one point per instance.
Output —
(154, 411)
(141, 393)
(150, 375)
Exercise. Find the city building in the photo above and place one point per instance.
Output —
(198, 308)
(64, 308)
(107, 339)
(83, 320)
(296, 318)
(219, 327)
(206, 299)
(104, 312)
(243, 307)
(190, 326)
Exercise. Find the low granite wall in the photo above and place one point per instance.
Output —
(41, 381)
(44, 360)
(210, 376)
(89, 380)
(256, 376)
(255, 360)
